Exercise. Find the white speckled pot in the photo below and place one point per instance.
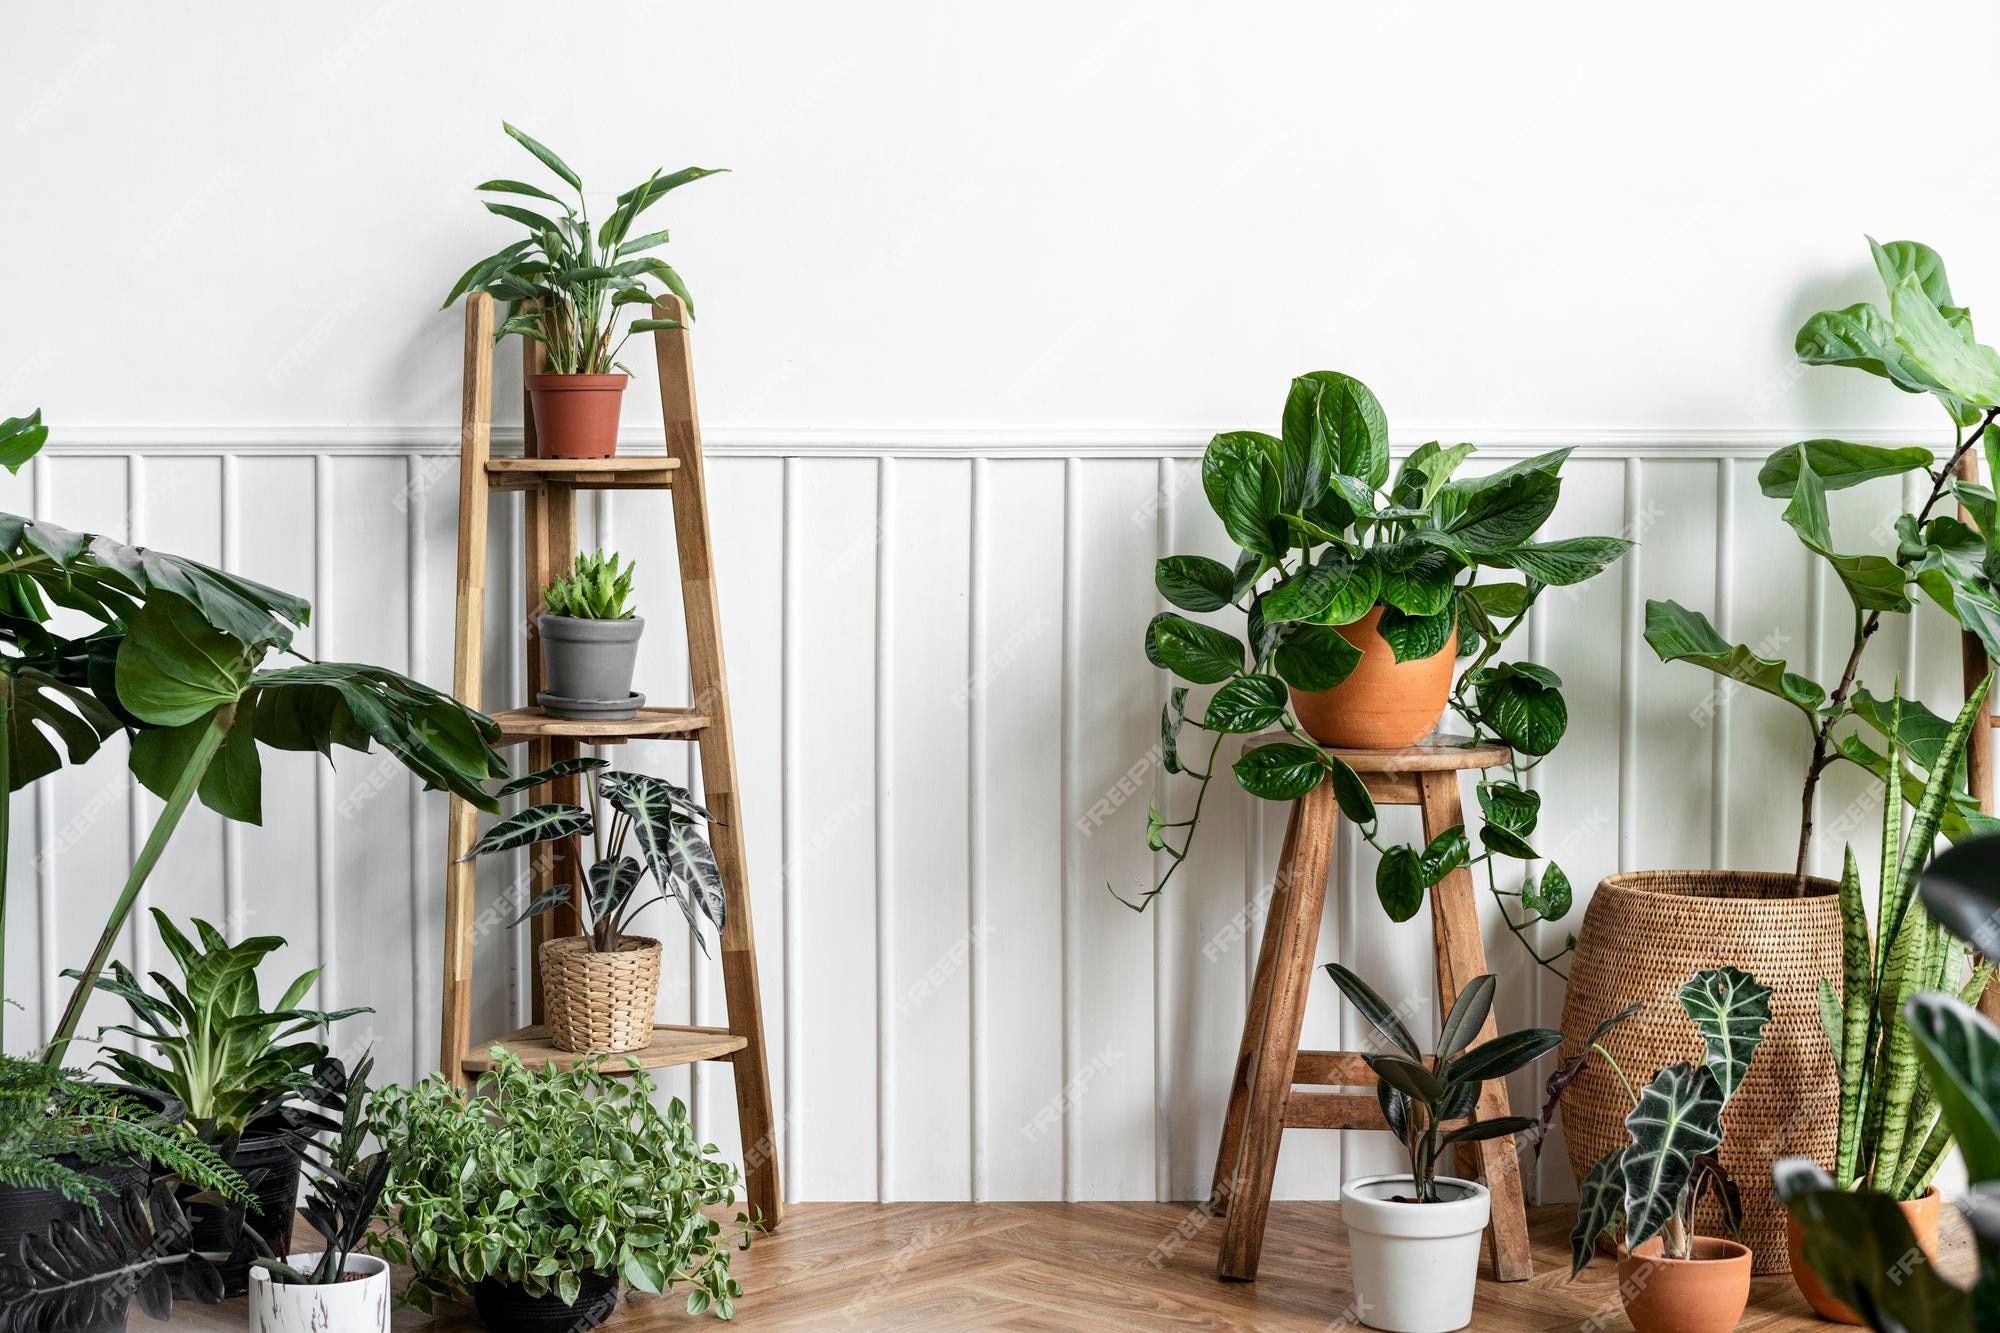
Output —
(358, 1305)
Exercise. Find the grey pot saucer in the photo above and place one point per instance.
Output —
(591, 710)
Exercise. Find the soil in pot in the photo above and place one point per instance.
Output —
(1415, 1265)
(576, 416)
(509, 1309)
(600, 1001)
(1643, 936)
(358, 1303)
(1384, 704)
(590, 663)
(1921, 1214)
(267, 1157)
(1703, 1294)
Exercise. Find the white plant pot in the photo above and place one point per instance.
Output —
(1415, 1264)
(357, 1305)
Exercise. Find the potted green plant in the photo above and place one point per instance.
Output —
(1414, 1237)
(339, 1287)
(208, 1042)
(1672, 1279)
(537, 1196)
(599, 987)
(577, 279)
(1364, 599)
(590, 641)
(1786, 924)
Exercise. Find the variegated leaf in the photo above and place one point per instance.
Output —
(1679, 1117)
(1731, 1008)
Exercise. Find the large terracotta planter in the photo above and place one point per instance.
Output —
(576, 416)
(1921, 1214)
(1643, 936)
(1705, 1294)
(1384, 704)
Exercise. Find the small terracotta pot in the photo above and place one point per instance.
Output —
(576, 416)
(1385, 704)
(1921, 1214)
(1705, 1294)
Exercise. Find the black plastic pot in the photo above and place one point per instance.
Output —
(268, 1158)
(506, 1308)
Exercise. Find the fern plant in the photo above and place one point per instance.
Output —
(595, 589)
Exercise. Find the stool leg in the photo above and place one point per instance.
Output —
(1302, 879)
(1461, 956)
(1230, 1148)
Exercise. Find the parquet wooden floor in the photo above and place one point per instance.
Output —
(947, 1267)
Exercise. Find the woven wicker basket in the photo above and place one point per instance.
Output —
(1643, 936)
(600, 1001)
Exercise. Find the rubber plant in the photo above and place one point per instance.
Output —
(1653, 1184)
(1923, 344)
(1857, 1239)
(1327, 534)
(1892, 1134)
(177, 661)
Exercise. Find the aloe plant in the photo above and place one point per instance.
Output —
(595, 589)
(1653, 1184)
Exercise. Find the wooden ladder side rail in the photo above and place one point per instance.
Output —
(717, 743)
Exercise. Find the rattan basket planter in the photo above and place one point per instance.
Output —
(600, 1001)
(1642, 937)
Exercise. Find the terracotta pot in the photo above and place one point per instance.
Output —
(576, 416)
(1705, 1294)
(1642, 937)
(1385, 704)
(1921, 1214)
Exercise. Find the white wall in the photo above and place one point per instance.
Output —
(979, 287)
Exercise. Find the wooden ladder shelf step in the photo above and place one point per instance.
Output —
(548, 488)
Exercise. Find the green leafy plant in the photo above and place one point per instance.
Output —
(661, 819)
(346, 1182)
(1420, 1096)
(176, 662)
(578, 278)
(216, 1048)
(1654, 1183)
(595, 589)
(1922, 344)
(1326, 537)
(545, 1175)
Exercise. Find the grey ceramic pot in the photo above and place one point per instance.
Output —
(590, 661)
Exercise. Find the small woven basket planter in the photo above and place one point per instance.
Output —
(1643, 936)
(600, 1001)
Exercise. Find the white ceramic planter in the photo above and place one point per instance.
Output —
(358, 1305)
(1415, 1264)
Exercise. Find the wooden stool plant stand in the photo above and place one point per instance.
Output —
(1262, 1100)
(549, 487)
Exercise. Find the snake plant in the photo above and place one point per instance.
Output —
(1892, 1136)
(1652, 1185)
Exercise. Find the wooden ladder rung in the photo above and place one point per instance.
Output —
(622, 472)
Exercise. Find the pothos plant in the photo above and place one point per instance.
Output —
(1327, 535)
(1923, 344)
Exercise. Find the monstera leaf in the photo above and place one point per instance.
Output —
(1731, 1008)
(1678, 1118)
(38, 706)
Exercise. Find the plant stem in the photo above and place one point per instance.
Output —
(149, 855)
(1599, 1048)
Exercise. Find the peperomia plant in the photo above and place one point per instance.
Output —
(1421, 1096)
(579, 279)
(1652, 1186)
(1326, 537)
(660, 816)
(1923, 344)
(595, 589)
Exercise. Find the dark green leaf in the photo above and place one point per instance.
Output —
(1838, 465)
(1349, 790)
(1729, 1008)
(1597, 1205)
(1239, 473)
(1571, 560)
(21, 438)
(174, 667)
(1281, 772)
(1409, 1077)
(1960, 1052)
(1415, 638)
(561, 768)
(1247, 704)
(1678, 1118)
(1467, 1016)
(1550, 897)
(1194, 652)
(1338, 589)
(1194, 582)
(1172, 713)
(1503, 1055)
(1381, 1015)
(1399, 882)
(538, 823)
(547, 158)
(1522, 704)
(1510, 805)
(1314, 657)
(1447, 852)
(1680, 635)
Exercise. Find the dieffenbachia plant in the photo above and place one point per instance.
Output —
(176, 661)
(1857, 1240)
(1891, 1133)
(1326, 537)
(1923, 344)
(1652, 1185)
(1420, 1095)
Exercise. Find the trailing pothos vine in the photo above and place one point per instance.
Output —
(1326, 537)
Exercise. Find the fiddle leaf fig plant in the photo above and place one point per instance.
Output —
(1328, 533)
(1922, 344)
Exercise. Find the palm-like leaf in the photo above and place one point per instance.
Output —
(1678, 1118)
(1730, 1007)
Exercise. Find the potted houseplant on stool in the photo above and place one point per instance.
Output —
(536, 1196)
(578, 278)
(1671, 1279)
(599, 987)
(590, 641)
(1414, 1238)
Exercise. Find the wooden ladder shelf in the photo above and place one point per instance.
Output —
(549, 487)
